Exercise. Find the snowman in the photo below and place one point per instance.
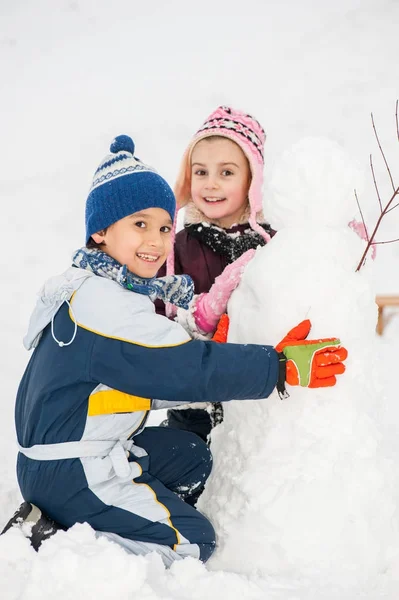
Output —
(304, 487)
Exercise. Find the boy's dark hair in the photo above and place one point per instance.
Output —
(92, 244)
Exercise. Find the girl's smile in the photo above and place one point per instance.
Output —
(209, 199)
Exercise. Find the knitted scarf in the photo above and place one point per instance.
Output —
(232, 244)
(176, 289)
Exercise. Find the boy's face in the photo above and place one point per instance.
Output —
(220, 178)
(142, 241)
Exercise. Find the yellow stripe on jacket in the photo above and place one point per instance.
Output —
(106, 402)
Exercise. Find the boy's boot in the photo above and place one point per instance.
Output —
(42, 527)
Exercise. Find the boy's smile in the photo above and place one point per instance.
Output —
(220, 178)
(141, 241)
(148, 257)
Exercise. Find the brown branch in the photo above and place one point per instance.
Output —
(370, 242)
(388, 208)
(392, 208)
(386, 242)
(375, 182)
(382, 152)
(361, 214)
(397, 119)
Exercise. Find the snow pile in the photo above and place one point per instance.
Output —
(75, 564)
(305, 487)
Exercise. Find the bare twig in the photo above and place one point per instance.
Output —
(397, 119)
(370, 242)
(361, 214)
(388, 207)
(392, 207)
(382, 152)
(375, 182)
(386, 242)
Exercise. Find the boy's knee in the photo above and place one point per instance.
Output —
(197, 468)
(201, 453)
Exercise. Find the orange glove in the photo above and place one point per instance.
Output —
(222, 329)
(309, 363)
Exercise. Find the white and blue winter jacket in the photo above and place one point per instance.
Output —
(124, 360)
(103, 359)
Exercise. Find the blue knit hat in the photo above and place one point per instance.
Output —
(123, 185)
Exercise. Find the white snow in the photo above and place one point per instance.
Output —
(311, 481)
(74, 74)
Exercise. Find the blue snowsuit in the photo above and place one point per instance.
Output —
(85, 454)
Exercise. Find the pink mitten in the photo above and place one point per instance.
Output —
(210, 307)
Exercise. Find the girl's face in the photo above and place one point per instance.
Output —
(220, 178)
(142, 241)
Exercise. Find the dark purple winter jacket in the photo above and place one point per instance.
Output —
(197, 260)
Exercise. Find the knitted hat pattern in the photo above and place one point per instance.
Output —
(123, 185)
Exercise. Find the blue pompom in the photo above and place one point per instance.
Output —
(122, 143)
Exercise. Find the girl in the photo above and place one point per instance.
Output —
(103, 359)
(220, 186)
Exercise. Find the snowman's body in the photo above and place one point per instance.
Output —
(303, 486)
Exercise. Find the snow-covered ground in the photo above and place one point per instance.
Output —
(74, 74)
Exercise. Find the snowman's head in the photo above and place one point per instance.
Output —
(313, 184)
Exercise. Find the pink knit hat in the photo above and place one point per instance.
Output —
(249, 135)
